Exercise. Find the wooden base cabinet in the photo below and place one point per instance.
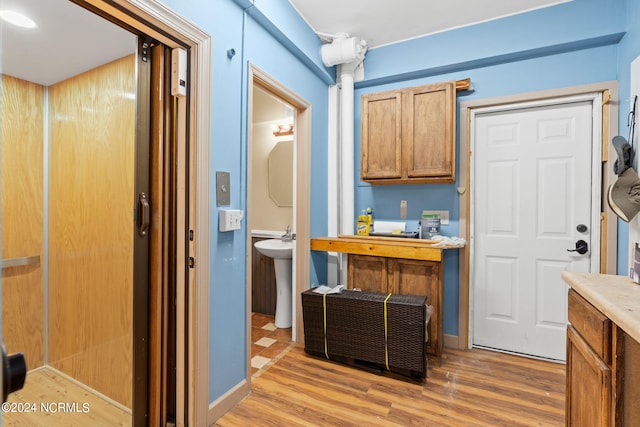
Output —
(603, 369)
(402, 276)
(588, 384)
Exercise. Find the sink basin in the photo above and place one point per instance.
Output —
(275, 248)
(281, 252)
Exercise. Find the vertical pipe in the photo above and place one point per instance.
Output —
(333, 203)
(347, 225)
(346, 148)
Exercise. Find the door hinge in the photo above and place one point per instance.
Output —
(191, 235)
(192, 262)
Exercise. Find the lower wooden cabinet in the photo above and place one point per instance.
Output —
(603, 369)
(402, 276)
(588, 384)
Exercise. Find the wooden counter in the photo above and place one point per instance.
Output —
(617, 297)
(394, 265)
(603, 350)
(389, 247)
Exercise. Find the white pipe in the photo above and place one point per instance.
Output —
(347, 184)
(347, 54)
(333, 199)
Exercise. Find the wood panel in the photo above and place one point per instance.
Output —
(45, 387)
(429, 140)
(631, 393)
(422, 278)
(367, 273)
(588, 390)
(591, 324)
(470, 388)
(92, 125)
(22, 217)
(381, 149)
(263, 282)
(379, 246)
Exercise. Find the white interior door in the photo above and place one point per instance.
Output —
(532, 191)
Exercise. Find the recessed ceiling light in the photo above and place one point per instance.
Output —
(17, 18)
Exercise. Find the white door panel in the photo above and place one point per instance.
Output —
(532, 187)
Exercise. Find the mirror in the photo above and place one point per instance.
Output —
(281, 174)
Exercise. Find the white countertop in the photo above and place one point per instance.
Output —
(617, 297)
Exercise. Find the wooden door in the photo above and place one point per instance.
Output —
(429, 132)
(588, 392)
(532, 190)
(368, 273)
(381, 148)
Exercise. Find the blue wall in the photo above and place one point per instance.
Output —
(579, 42)
(242, 25)
(566, 45)
(629, 49)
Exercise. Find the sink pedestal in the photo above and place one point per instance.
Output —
(283, 292)
(281, 252)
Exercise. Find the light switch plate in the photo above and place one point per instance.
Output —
(223, 189)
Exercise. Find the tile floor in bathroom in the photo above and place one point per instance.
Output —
(268, 342)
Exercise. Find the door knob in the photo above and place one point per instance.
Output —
(582, 247)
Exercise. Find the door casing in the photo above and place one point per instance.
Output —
(159, 22)
(608, 226)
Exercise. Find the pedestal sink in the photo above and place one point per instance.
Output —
(281, 252)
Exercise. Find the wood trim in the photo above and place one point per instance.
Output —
(464, 183)
(161, 23)
(302, 212)
(156, 270)
(375, 248)
(462, 85)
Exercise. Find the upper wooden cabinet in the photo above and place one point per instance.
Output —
(408, 135)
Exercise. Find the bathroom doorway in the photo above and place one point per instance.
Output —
(278, 182)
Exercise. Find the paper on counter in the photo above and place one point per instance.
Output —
(389, 226)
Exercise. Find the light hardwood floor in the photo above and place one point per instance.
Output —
(51, 399)
(469, 388)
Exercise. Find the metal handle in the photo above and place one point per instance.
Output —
(582, 247)
(19, 262)
(144, 214)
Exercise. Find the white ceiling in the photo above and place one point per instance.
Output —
(383, 22)
(70, 40)
(67, 41)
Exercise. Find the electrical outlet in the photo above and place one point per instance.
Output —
(444, 216)
(230, 219)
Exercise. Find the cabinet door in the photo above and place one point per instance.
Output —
(415, 277)
(381, 147)
(429, 143)
(368, 273)
(588, 392)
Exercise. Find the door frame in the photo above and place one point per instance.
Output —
(161, 23)
(302, 202)
(608, 220)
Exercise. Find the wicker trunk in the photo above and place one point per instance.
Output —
(360, 328)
